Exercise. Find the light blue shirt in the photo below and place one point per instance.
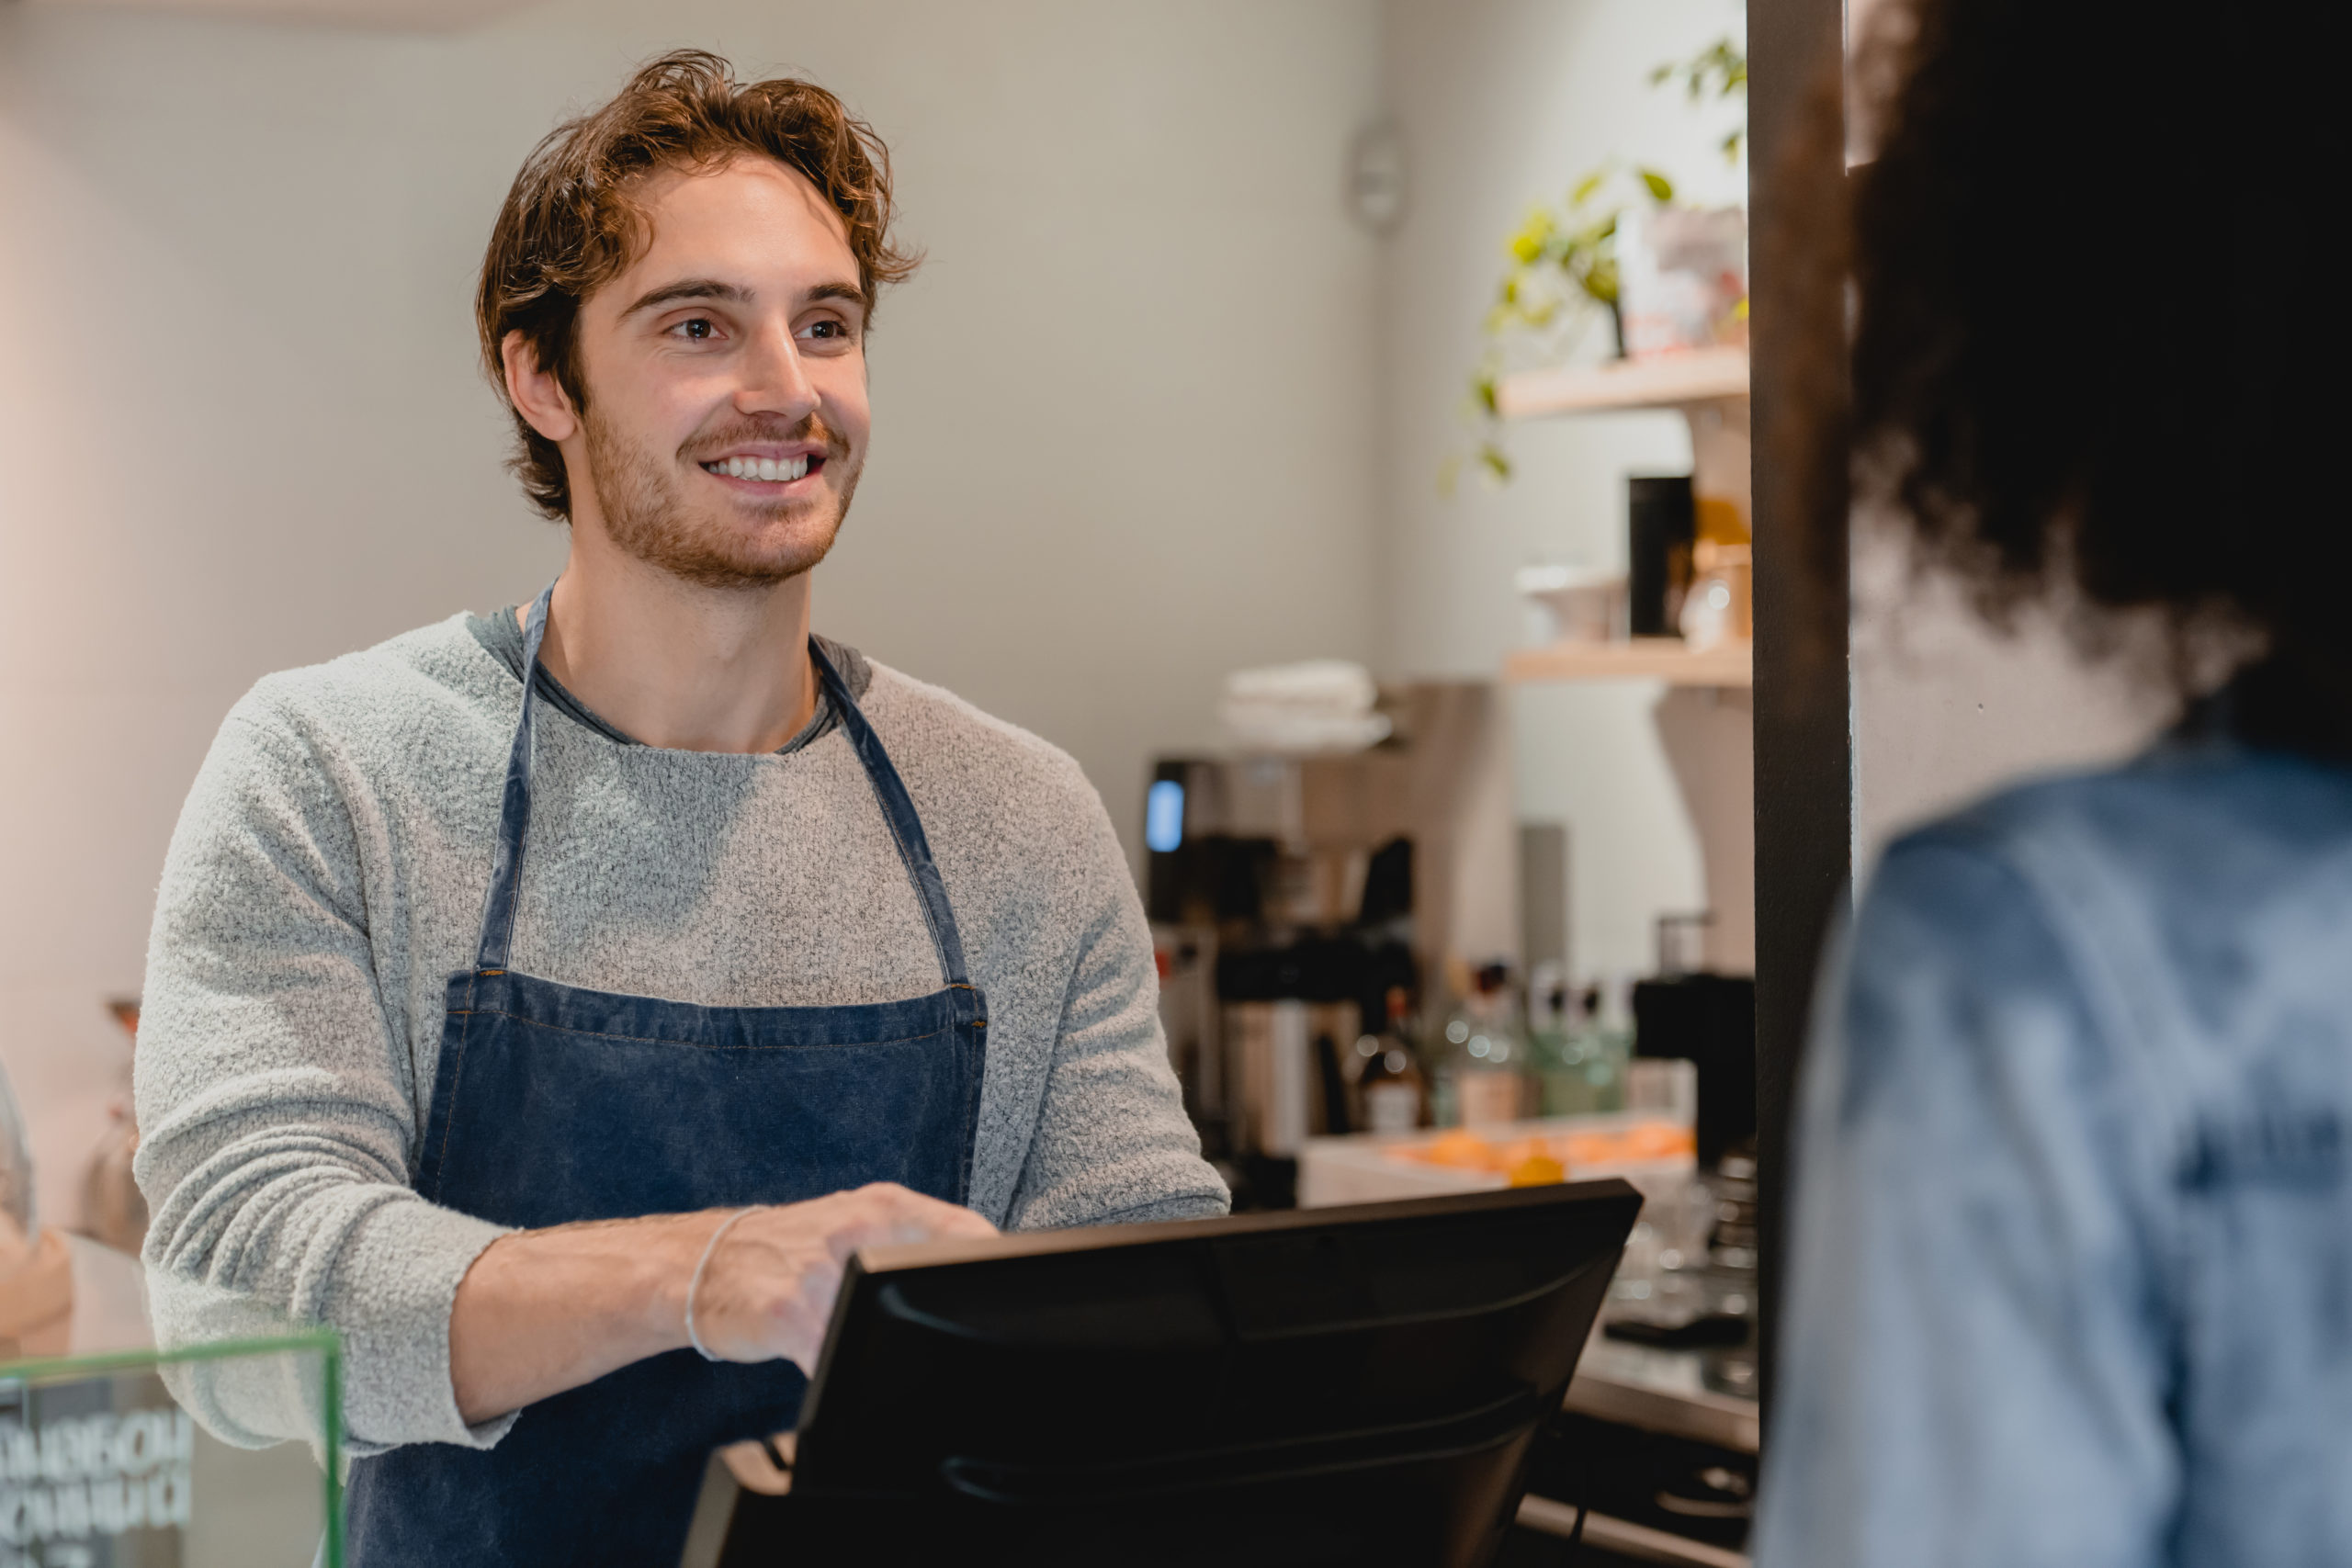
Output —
(2070, 1280)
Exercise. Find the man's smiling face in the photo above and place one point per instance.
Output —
(725, 373)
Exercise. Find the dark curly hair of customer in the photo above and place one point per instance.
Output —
(2100, 329)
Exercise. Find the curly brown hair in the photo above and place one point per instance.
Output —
(570, 224)
(2100, 331)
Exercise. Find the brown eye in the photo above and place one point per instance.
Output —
(698, 329)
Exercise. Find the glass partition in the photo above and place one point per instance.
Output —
(101, 1468)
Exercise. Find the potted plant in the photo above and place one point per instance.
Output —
(1565, 276)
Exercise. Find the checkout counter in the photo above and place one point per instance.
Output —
(1660, 1446)
(1659, 1440)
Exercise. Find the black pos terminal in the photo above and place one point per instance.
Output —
(1331, 1386)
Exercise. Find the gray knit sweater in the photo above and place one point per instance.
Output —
(328, 874)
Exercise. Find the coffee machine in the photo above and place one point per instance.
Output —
(1289, 893)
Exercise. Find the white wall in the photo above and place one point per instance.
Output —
(1126, 417)
(1503, 104)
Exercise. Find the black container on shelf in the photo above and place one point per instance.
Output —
(1708, 1019)
(1661, 524)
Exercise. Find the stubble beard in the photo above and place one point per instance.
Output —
(646, 511)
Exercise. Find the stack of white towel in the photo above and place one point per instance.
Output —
(1322, 705)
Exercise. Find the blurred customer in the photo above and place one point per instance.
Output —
(2072, 1279)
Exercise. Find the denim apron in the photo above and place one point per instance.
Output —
(554, 1104)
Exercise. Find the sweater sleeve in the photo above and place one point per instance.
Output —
(277, 1114)
(1976, 1362)
(1112, 1143)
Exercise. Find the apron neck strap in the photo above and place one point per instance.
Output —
(899, 811)
(514, 805)
(890, 793)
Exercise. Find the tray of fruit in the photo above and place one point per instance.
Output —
(1652, 1152)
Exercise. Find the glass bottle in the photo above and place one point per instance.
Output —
(1607, 1047)
(1483, 1069)
(1555, 1052)
(1389, 1083)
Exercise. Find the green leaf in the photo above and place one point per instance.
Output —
(1482, 387)
(1662, 74)
(1661, 189)
(1585, 186)
(1527, 246)
(1497, 466)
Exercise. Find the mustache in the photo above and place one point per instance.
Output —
(709, 444)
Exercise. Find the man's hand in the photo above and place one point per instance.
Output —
(543, 1310)
(768, 1290)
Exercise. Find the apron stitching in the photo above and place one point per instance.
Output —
(699, 1045)
(450, 1123)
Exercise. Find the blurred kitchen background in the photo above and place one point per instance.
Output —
(1172, 396)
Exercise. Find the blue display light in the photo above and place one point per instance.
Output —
(1164, 816)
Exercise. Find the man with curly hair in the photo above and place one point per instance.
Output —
(551, 1002)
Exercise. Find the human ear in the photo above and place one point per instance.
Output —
(535, 390)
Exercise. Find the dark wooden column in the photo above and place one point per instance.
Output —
(1804, 739)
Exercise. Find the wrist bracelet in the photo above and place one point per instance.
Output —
(694, 1284)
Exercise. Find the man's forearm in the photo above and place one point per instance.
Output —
(543, 1310)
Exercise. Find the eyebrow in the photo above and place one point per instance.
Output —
(713, 288)
(688, 288)
(849, 291)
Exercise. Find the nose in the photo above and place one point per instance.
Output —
(776, 382)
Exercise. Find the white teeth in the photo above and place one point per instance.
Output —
(773, 471)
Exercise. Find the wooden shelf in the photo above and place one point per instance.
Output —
(1643, 659)
(1670, 380)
